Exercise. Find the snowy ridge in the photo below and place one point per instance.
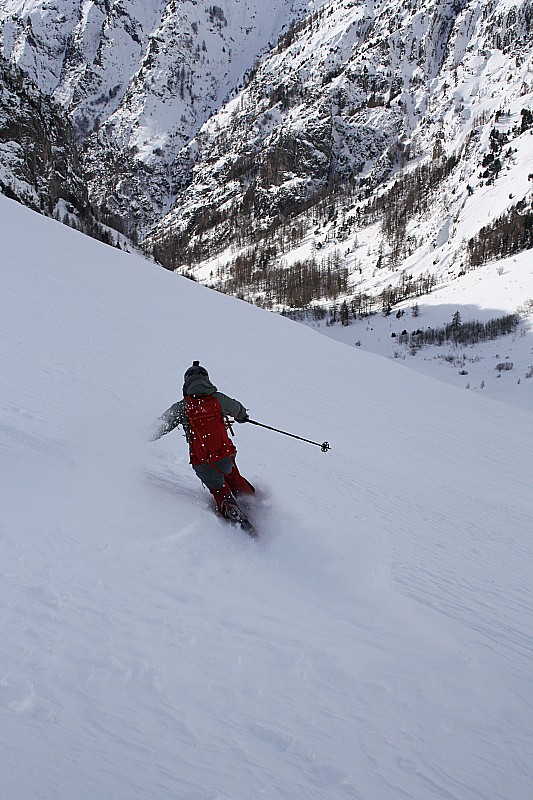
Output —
(376, 643)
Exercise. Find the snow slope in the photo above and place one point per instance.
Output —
(490, 292)
(376, 643)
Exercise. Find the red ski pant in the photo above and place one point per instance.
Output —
(222, 473)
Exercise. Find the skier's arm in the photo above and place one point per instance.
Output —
(231, 407)
(169, 420)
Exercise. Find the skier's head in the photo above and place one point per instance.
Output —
(196, 380)
(196, 369)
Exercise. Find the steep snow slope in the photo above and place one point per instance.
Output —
(86, 54)
(376, 643)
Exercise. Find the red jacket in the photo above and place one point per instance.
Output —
(211, 441)
(207, 435)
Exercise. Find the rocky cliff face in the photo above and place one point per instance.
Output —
(39, 160)
(137, 80)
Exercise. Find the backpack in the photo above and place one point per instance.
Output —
(208, 438)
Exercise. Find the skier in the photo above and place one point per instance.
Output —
(203, 415)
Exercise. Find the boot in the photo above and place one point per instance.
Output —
(228, 507)
(237, 483)
(222, 496)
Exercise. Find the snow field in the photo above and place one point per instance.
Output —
(375, 643)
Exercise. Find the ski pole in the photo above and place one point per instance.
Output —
(325, 446)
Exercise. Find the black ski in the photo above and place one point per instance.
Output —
(236, 515)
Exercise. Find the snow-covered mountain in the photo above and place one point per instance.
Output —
(347, 99)
(351, 92)
(137, 80)
(376, 643)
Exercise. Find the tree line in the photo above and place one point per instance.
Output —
(461, 333)
(293, 286)
(510, 233)
(365, 304)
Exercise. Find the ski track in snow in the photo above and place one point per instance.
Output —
(374, 643)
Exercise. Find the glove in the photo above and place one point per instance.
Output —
(245, 419)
